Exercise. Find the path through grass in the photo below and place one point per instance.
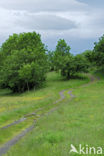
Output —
(77, 122)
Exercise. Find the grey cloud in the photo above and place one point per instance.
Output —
(53, 19)
(45, 22)
(42, 5)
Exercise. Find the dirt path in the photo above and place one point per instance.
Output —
(4, 149)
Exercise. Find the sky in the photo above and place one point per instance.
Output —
(79, 22)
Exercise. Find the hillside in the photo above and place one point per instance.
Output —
(59, 114)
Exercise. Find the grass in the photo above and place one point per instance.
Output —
(16, 106)
(79, 121)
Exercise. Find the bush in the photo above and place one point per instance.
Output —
(74, 65)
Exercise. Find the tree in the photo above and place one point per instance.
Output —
(50, 56)
(67, 63)
(24, 62)
(74, 65)
(81, 63)
(99, 52)
(62, 51)
(89, 56)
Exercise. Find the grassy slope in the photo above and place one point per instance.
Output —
(14, 107)
(77, 122)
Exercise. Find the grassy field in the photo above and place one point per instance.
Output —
(79, 121)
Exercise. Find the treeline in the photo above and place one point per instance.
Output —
(62, 60)
(69, 65)
(24, 61)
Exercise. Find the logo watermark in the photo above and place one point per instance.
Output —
(86, 150)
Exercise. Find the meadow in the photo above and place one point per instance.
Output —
(76, 121)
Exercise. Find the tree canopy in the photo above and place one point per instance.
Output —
(99, 52)
(67, 63)
(24, 62)
(61, 52)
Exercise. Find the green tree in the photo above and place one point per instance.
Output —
(89, 54)
(74, 65)
(50, 57)
(24, 62)
(67, 63)
(62, 51)
(99, 52)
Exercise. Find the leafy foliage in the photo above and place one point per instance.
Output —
(62, 51)
(99, 52)
(24, 62)
(66, 62)
(74, 65)
(89, 54)
(50, 56)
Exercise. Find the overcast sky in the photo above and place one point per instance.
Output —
(79, 22)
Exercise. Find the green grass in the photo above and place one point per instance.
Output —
(79, 121)
(16, 106)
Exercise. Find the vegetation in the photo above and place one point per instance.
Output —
(24, 62)
(69, 64)
(50, 60)
(15, 106)
(89, 55)
(79, 121)
(99, 53)
(66, 111)
(61, 53)
(74, 65)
